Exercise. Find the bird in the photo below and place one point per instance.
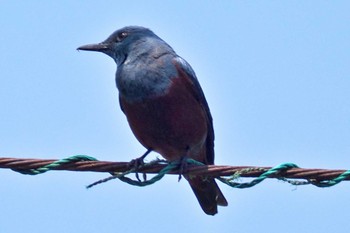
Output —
(164, 104)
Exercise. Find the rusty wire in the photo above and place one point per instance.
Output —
(314, 174)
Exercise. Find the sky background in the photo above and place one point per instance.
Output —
(276, 75)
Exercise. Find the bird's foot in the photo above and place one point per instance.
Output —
(182, 166)
(137, 163)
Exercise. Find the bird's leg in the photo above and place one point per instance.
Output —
(182, 166)
(183, 163)
(138, 162)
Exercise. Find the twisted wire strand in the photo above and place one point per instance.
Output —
(89, 164)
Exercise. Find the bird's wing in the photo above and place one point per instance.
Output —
(194, 87)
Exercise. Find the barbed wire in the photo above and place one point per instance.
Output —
(288, 172)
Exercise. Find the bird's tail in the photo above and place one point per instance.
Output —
(208, 194)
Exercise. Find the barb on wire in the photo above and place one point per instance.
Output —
(288, 172)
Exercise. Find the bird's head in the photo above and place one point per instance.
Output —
(131, 40)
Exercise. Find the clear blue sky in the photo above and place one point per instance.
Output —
(276, 75)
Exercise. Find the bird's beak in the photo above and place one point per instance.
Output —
(100, 47)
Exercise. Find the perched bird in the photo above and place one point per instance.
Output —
(163, 103)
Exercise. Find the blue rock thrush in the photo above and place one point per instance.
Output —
(164, 103)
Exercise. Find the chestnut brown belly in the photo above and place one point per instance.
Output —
(173, 125)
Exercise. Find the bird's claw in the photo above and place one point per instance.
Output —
(137, 163)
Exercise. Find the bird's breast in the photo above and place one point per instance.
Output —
(172, 123)
(145, 78)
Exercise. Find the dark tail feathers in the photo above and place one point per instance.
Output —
(208, 194)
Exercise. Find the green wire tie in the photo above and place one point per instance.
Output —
(329, 183)
(273, 171)
(278, 169)
(122, 176)
(55, 164)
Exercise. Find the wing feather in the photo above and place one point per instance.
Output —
(195, 88)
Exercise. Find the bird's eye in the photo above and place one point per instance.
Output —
(121, 36)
